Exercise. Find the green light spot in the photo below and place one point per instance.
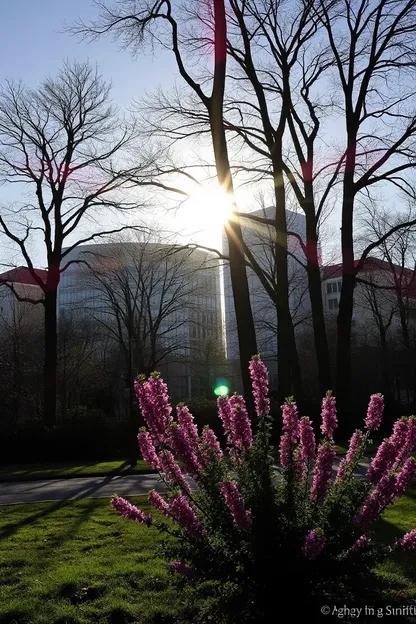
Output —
(221, 391)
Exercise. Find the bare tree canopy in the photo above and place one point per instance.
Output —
(319, 99)
(67, 149)
(137, 23)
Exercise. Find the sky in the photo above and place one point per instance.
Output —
(33, 45)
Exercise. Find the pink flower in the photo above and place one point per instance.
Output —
(400, 435)
(130, 511)
(355, 447)
(235, 504)
(259, 378)
(377, 500)
(329, 416)
(374, 412)
(159, 503)
(242, 436)
(411, 424)
(185, 516)
(172, 470)
(361, 543)
(154, 404)
(383, 461)
(224, 412)
(405, 476)
(186, 422)
(182, 568)
(299, 464)
(323, 471)
(291, 420)
(147, 449)
(213, 449)
(404, 435)
(314, 544)
(407, 542)
(291, 431)
(307, 440)
(285, 450)
(184, 451)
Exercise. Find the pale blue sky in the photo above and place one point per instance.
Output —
(33, 45)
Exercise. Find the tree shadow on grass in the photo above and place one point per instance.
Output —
(82, 492)
(387, 533)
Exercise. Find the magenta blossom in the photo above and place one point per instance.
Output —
(323, 471)
(383, 494)
(172, 470)
(224, 412)
(242, 436)
(185, 516)
(354, 448)
(314, 544)
(154, 404)
(129, 511)
(259, 378)
(285, 450)
(361, 543)
(159, 503)
(186, 422)
(307, 440)
(375, 412)
(147, 449)
(383, 461)
(182, 446)
(405, 476)
(235, 503)
(329, 416)
(404, 438)
(290, 419)
(299, 464)
(213, 449)
(407, 542)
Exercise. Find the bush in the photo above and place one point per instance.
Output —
(251, 543)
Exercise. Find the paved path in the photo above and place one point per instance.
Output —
(72, 489)
(49, 490)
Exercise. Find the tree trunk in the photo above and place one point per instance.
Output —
(317, 308)
(289, 375)
(50, 358)
(239, 283)
(346, 303)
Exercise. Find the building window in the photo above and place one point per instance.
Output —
(339, 286)
(331, 287)
(333, 304)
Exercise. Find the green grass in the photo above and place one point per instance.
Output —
(400, 570)
(23, 472)
(80, 562)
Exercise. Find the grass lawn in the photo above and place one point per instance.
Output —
(50, 554)
(396, 520)
(23, 472)
(80, 562)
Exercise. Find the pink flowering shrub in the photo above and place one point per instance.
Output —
(249, 533)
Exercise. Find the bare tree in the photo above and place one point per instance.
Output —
(371, 45)
(145, 297)
(136, 22)
(398, 253)
(62, 144)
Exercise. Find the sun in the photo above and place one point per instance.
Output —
(208, 209)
